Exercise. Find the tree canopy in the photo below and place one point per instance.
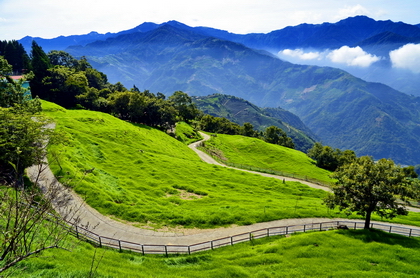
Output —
(329, 158)
(365, 186)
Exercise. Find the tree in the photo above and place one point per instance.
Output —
(248, 130)
(27, 220)
(365, 186)
(329, 158)
(62, 58)
(187, 110)
(64, 84)
(40, 63)
(276, 135)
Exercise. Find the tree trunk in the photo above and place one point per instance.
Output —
(367, 219)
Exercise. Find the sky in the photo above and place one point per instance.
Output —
(52, 18)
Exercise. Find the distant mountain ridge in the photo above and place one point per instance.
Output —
(376, 37)
(350, 31)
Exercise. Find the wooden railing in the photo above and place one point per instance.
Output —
(119, 244)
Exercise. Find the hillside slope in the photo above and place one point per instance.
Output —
(241, 111)
(143, 175)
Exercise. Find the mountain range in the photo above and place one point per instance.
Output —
(342, 110)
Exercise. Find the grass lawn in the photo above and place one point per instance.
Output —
(340, 253)
(186, 134)
(241, 150)
(145, 176)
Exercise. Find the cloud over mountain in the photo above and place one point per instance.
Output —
(301, 54)
(350, 56)
(406, 57)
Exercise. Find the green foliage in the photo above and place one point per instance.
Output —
(13, 93)
(365, 186)
(187, 111)
(219, 125)
(275, 135)
(15, 55)
(21, 140)
(40, 63)
(329, 158)
(62, 58)
(344, 253)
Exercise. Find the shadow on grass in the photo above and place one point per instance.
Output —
(373, 235)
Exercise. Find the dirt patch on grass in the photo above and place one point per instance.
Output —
(185, 195)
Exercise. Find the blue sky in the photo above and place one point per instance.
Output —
(52, 18)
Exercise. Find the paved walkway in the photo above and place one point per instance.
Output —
(107, 227)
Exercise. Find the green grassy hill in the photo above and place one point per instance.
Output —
(316, 254)
(142, 174)
(241, 150)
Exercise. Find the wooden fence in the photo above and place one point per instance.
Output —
(101, 241)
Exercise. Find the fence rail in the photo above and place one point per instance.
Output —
(101, 241)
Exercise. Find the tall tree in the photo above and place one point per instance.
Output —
(365, 186)
(40, 63)
(187, 110)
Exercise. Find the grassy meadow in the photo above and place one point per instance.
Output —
(143, 175)
(255, 152)
(339, 253)
(186, 134)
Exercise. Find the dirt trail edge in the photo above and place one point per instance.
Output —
(107, 227)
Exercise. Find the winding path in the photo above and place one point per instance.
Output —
(107, 227)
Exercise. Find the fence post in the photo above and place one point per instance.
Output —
(268, 232)
(211, 244)
(77, 232)
(100, 242)
(119, 244)
(189, 250)
(142, 249)
(287, 230)
(166, 250)
(231, 240)
(390, 228)
(304, 228)
(320, 226)
(410, 233)
(355, 225)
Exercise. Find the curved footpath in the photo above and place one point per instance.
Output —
(107, 227)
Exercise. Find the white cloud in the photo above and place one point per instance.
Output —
(352, 56)
(406, 57)
(299, 53)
